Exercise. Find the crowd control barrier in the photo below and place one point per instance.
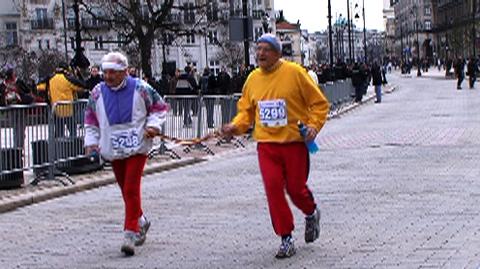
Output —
(46, 141)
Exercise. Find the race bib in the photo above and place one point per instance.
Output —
(273, 113)
(124, 141)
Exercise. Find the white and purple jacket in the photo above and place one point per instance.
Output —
(115, 120)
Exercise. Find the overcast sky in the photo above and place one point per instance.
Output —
(313, 13)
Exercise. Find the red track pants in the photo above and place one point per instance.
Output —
(285, 167)
(128, 173)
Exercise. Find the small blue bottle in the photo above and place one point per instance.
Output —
(311, 145)
(94, 156)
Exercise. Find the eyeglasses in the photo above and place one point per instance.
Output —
(263, 49)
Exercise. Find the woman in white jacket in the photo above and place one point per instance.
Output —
(122, 116)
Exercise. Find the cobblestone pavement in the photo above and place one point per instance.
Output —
(397, 183)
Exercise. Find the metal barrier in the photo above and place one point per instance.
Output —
(339, 93)
(48, 140)
(42, 139)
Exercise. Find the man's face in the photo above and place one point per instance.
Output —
(113, 78)
(94, 72)
(266, 55)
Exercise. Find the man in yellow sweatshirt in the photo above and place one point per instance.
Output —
(275, 97)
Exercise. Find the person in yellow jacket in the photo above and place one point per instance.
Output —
(62, 86)
(274, 98)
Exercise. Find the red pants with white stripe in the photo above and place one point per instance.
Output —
(285, 167)
(128, 173)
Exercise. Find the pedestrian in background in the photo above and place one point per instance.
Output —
(122, 117)
(92, 81)
(472, 69)
(460, 72)
(275, 97)
(14, 91)
(377, 81)
(63, 86)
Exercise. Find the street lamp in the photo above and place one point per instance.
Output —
(364, 30)
(246, 45)
(415, 7)
(349, 31)
(330, 41)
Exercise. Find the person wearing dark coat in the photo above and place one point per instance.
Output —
(186, 85)
(460, 72)
(207, 87)
(358, 78)
(377, 81)
(92, 81)
(472, 68)
(225, 88)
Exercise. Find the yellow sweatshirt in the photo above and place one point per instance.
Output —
(302, 98)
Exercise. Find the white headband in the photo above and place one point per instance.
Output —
(114, 66)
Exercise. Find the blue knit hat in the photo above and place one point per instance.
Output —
(272, 40)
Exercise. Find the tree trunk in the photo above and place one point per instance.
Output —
(145, 45)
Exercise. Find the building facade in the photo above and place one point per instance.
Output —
(413, 30)
(456, 28)
(39, 25)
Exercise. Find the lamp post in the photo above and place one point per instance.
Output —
(474, 33)
(330, 41)
(64, 30)
(364, 31)
(349, 31)
(246, 45)
(419, 73)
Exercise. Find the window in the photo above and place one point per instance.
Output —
(39, 42)
(428, 25)
(258, 32)
(428, 11)
(47, 42)
(212, 11)
(189, 13)
(99, 43)
(41, 13)
(190, 38)
(215, 67)
(212, 37)
(12, 37)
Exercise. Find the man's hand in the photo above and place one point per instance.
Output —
(90, 149)
(228, 130)
(151, 132)
(311, 134)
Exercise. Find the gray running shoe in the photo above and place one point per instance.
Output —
(312, 226)
(128, 246)
(143, 233)
(287, 248)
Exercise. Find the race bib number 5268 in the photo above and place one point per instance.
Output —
(125, 140)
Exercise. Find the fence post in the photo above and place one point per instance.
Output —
(51, 143)
(199, 113)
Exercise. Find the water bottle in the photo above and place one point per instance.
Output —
(94, 156)
(311, 145)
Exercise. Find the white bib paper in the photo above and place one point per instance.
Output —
(124, 141)
(273, 113)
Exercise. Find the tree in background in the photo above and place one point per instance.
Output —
(141, 22)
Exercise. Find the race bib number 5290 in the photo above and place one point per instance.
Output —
(273, 113)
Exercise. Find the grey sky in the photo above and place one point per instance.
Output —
(313, 13)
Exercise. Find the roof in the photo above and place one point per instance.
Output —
(287, 26)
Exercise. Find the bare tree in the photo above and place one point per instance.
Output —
(140, 22)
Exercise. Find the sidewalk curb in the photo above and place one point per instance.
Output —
(41, 195)
(355, 105)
